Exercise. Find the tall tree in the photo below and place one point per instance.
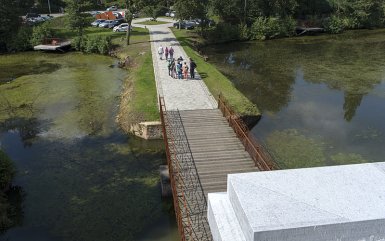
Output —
(132, 7)
(77, 18)
(188, 9)
(10, 10)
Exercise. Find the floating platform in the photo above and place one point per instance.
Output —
(339, 203)
(305, 30)
(54, 44)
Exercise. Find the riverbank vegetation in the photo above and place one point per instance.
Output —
(139, 97)
(260, 20)
(216, 82)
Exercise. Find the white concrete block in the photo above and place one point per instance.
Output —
(222, 220)
(341, 203)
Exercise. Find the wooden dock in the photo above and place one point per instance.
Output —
(54, 44)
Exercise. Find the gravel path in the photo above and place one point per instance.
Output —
(178, 94)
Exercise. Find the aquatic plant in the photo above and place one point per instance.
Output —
(7, 171)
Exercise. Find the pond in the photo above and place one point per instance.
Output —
(81, 177)
(322, 97)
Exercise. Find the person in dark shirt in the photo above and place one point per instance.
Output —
(193, 66)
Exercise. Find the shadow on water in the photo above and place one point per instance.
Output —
(9, 72)
(94, 188)
(320, 96)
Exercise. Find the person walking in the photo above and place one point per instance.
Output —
(160, 52)
(166, 53)
(173, 69)
(185, 71)
(179, 70)
(193, 66)
(171, 52)
(169, 66)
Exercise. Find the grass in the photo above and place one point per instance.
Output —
(213, 78)
(149, 22)
(139, 98)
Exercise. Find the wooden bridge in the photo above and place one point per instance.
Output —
(203, 147)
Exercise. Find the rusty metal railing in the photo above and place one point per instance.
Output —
(261, 157)
(189, 200)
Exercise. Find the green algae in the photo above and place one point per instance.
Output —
(294, 150)
(82, 176)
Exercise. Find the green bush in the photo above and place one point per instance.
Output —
(269, 28)
(288, 27)
(41, 32)
(77, 44)
(334, 24)
(224, 32)
(266, 28)
(244, 33)
(92, 44)
(104, 45)
(7, 170)
(22, 40)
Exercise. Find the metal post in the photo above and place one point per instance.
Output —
(49, 7)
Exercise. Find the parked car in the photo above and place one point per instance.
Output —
(112, 8)
(121, 28)
(185, 25)
(46, 18)
(172, 14)
(32, 15)
(109, 23)
(97, 22)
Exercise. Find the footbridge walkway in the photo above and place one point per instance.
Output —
(205, 140)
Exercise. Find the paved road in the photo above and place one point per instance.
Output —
(178, 94)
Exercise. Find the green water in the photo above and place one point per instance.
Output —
(322, 97)
(81, 177)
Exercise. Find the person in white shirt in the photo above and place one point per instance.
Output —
(160, 52)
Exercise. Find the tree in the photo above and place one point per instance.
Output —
(188, 9)
(154, 10)
(77, 18)
(10, 22)
(132, 7)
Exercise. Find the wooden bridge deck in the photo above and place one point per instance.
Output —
(215, 148)
(202, 149)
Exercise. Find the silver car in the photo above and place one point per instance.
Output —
(107, 24)
(97, 22)
(121, 28)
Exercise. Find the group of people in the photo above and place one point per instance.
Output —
(176, 67)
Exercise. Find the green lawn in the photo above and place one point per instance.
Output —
(149, 22)
(139, 102)
(215, 80)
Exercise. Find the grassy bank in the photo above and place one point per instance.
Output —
(149, 22)
(215, 80)
(139, 98)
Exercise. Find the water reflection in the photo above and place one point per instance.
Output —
(82, 177)
(325, 90)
